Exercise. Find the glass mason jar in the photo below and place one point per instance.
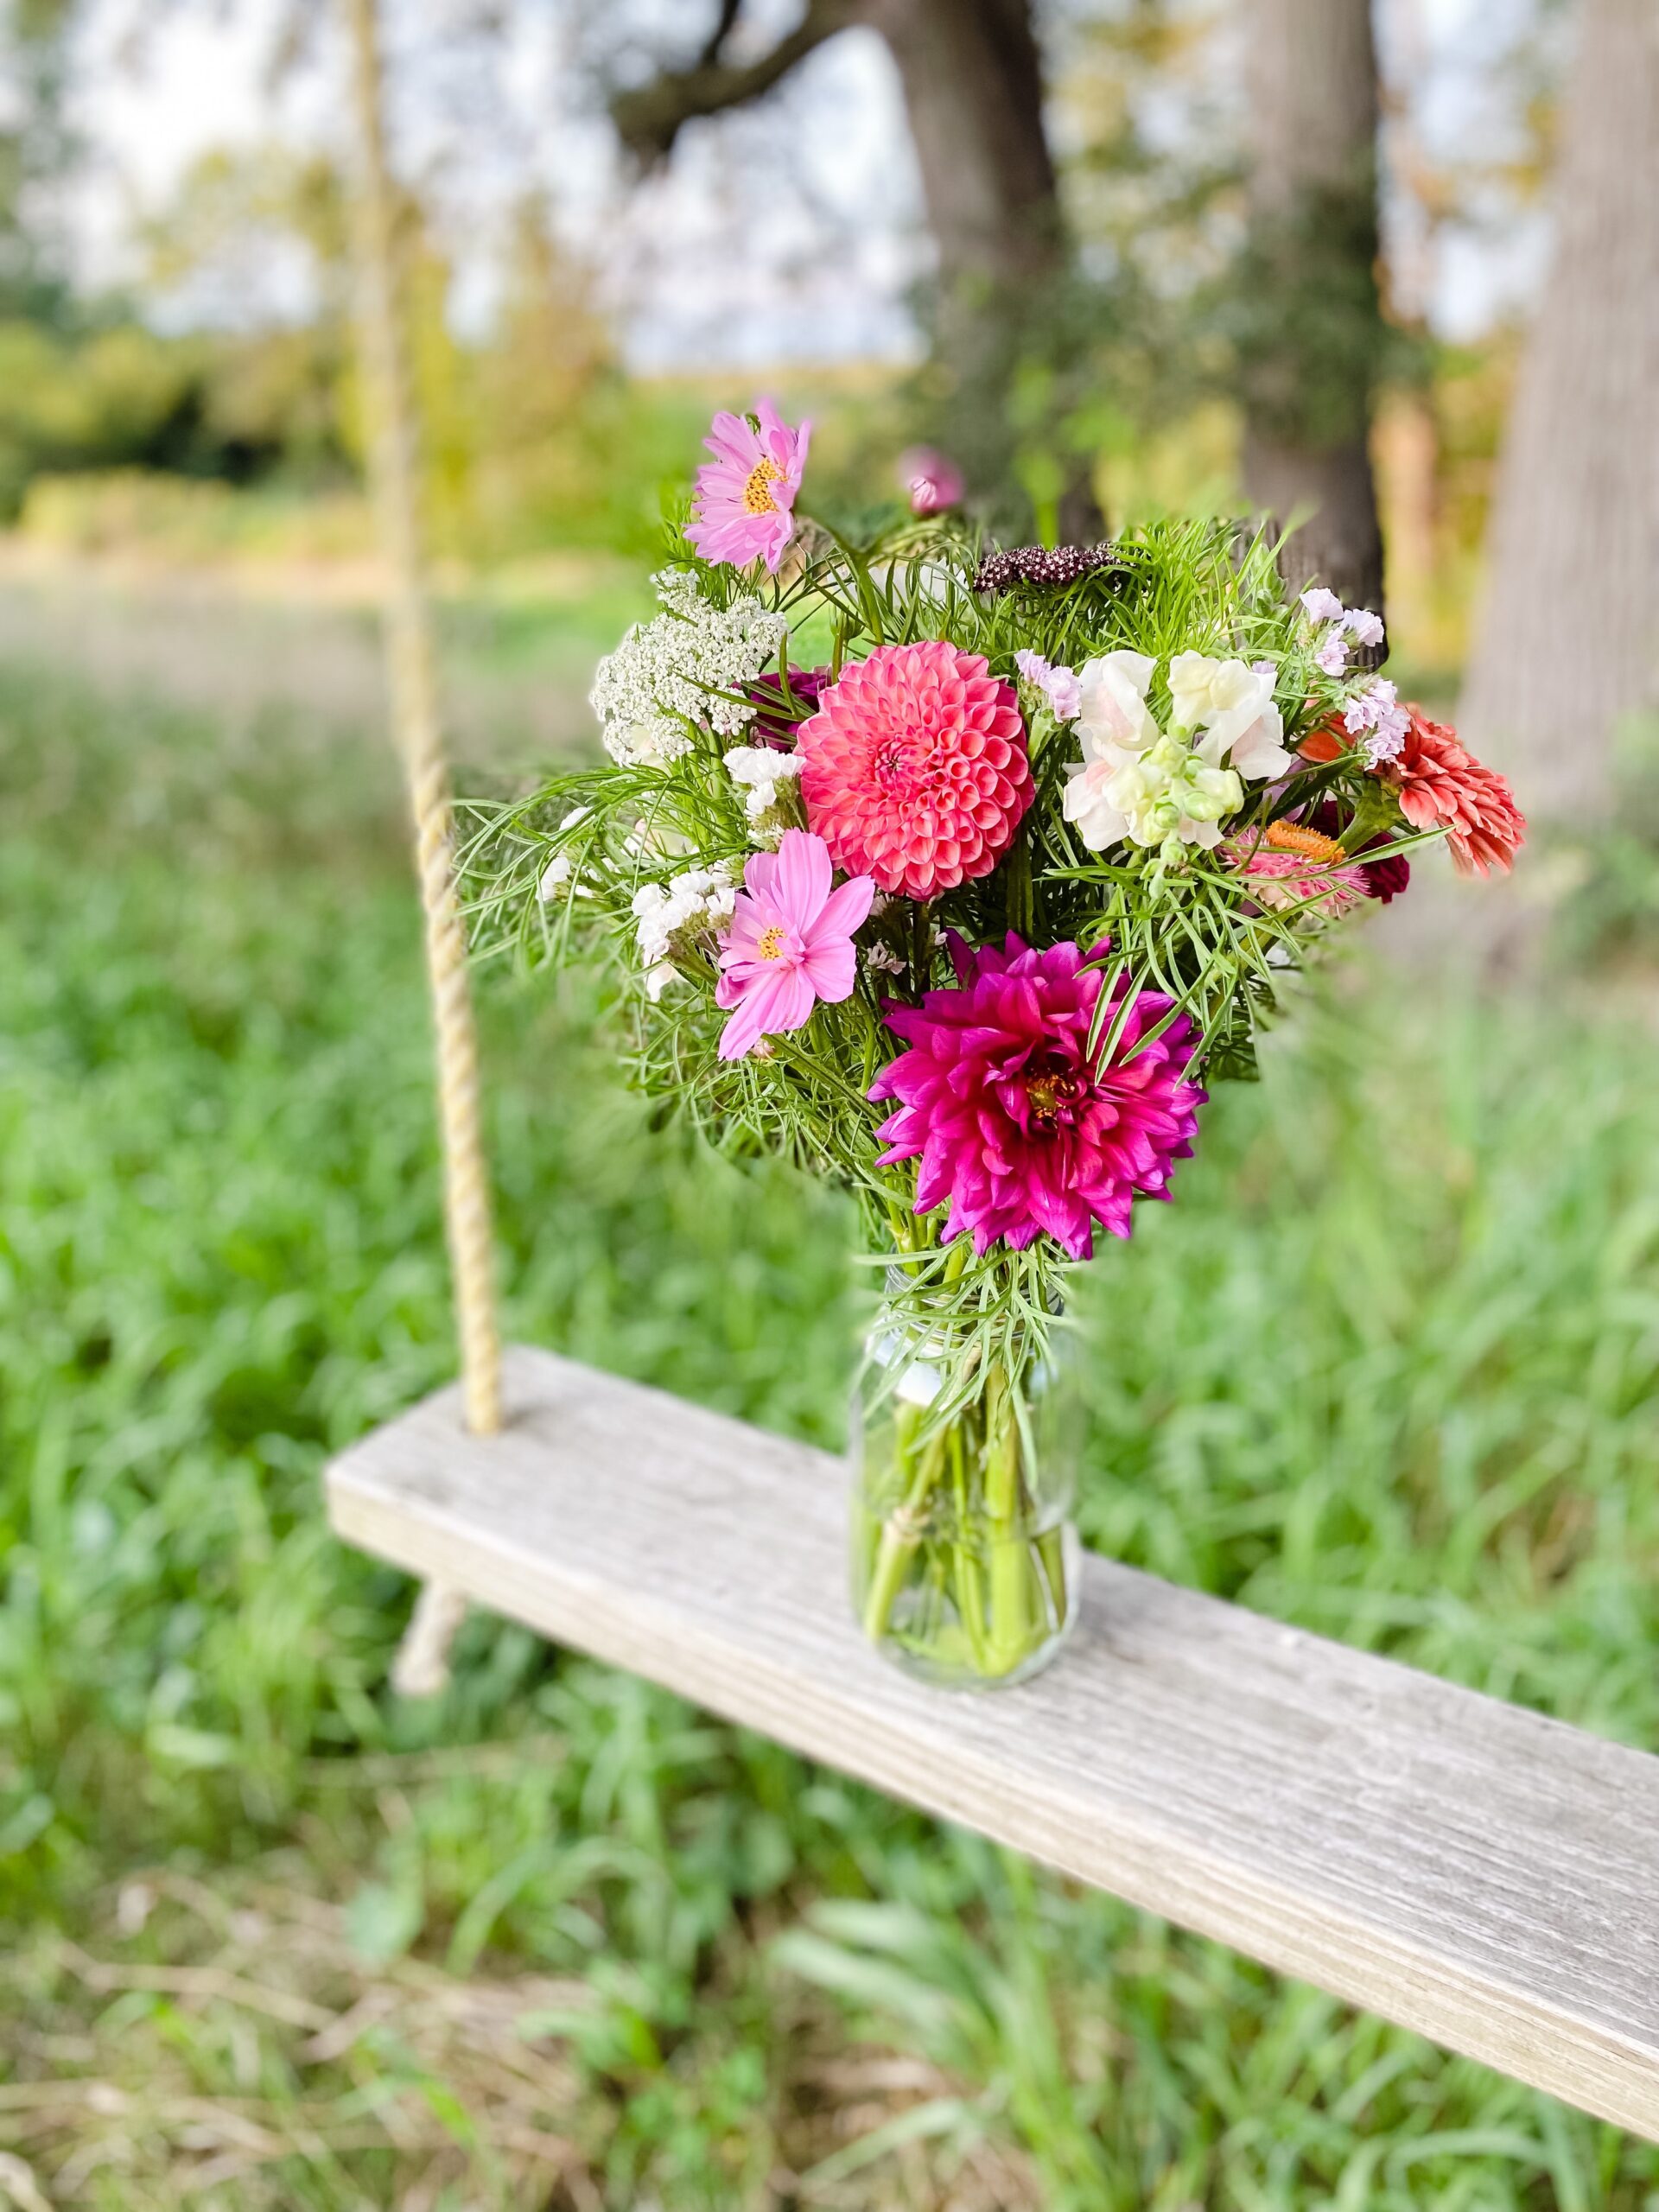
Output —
(964, 1557)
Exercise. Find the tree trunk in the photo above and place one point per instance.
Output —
(972, 78)
(973, 85)
(1567, 644)
(1310, 323)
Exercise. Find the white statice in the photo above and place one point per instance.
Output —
(667, 676)
(1153, 787)
(669, 917)
(882, 960)
(764, 776)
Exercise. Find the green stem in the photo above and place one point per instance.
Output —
(1010, 1559)
(900, 1535)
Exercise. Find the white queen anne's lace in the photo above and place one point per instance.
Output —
(765, 775)
(667, 674)
(699, 900)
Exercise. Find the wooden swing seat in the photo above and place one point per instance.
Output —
(1465, 1868)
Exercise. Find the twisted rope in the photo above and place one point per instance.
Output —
(422, 1666)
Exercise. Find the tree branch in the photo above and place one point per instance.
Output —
(729, 12)
(649, 117)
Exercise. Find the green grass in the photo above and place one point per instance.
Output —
(1387, 1367)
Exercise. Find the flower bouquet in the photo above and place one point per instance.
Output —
(954, 875)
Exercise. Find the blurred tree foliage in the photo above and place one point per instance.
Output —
(1125, 364)
(36, 150)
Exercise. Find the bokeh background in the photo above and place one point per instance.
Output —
(1389, 1368)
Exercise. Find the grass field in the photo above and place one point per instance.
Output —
(1388, 1367)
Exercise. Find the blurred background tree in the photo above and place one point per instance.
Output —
(1566, 662)
(1178, 253)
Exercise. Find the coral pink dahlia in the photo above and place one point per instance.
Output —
(791, 943)
(745, 495)
(914, 768)
(1014, 1127)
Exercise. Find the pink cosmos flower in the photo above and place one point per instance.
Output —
(913, 770)
(1015, 1125)
(745, 494)
(932, 480)
(791, 941)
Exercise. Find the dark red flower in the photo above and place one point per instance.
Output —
(775, 724)
(1384, 879)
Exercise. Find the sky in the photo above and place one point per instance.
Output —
(790, 231)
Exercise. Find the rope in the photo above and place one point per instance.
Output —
(422, 1666)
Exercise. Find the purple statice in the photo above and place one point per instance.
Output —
(1377, 718)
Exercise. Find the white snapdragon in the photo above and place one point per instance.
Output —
(697, 902)
(764, 774)
(1154, 787)
(667, 675)
(1233, 705)
(1133, 781)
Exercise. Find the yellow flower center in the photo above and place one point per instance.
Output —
(770, 944)
(1291, 837)
(757, 499)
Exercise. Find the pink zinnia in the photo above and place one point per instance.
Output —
(791, 941)
(1015, 1126)
(914, 768)
(1290, 865)
(932, 480)
(745, 494)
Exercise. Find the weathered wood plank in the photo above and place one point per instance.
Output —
(1467, 1868)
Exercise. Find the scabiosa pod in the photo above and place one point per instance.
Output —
(1047, 568)
(1018, 1129)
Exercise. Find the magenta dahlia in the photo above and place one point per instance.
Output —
(1013, 1126)
(914, 768)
